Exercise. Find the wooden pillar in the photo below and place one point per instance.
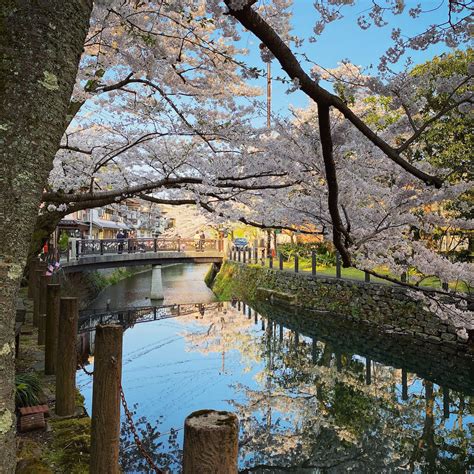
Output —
(270, 262)
(368, 371)
(43, 284)
(297, 264)
(446, 402)
(31, 277)
(313, 263)
(404, 385)
(338, 265)
(210, 442)
(367, 277)
(66, 357)
(37, 295)
(314, 350)
(105, 427)
(52, 322)
(281, 261)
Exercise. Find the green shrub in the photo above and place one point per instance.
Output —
(63, 241)
(27, 390)
(324, 252)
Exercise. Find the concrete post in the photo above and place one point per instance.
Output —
(74, 246)
(156, 292)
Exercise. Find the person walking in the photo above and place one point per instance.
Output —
(120, 237)
(196, 241)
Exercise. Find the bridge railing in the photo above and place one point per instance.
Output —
(85, 247)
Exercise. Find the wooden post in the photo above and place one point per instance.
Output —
(270, 262)
(66, 357)
(297, 266)
(52, 322)
(403, 278)
(367, 277)
(238, 255)
(404, 385)
(43, 284)
(446, 402)
(31, 277)
(314, 350)
(210, 442)
(368, 371)
(37, 295)
(338, 265)
(245, 256)
(313, 263)
(281, 261)
(105, 427)
(445, 286)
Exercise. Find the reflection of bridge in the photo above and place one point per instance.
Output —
(128, 317)
(84, 254)
(451, 370)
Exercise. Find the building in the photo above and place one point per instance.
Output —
(132, 216)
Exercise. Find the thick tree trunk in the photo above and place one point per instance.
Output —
(40, 46)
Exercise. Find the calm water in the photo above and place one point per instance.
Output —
(183, 283)
(311, 396)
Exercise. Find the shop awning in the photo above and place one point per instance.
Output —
(103, 224)
(72, 224)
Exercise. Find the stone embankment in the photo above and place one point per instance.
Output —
(386, 307)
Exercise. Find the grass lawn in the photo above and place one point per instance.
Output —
(354, 274)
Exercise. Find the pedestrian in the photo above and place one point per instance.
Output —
(196, 241)
(120, 238)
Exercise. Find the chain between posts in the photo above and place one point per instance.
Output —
(131, 425)
(139, 444)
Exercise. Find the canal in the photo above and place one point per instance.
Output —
(311, 396)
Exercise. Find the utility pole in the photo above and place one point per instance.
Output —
(269, 93)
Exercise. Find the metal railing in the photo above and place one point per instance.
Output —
(86, 247)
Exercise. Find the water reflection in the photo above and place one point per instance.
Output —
(311, 396)
(182, 283)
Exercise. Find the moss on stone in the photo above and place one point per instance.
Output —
(70, 449)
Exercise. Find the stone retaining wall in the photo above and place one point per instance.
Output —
(387, 307)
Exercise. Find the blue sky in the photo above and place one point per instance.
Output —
(343, 39)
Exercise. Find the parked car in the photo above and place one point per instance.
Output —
(241, 243)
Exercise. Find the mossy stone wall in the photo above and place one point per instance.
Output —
(387, 307)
